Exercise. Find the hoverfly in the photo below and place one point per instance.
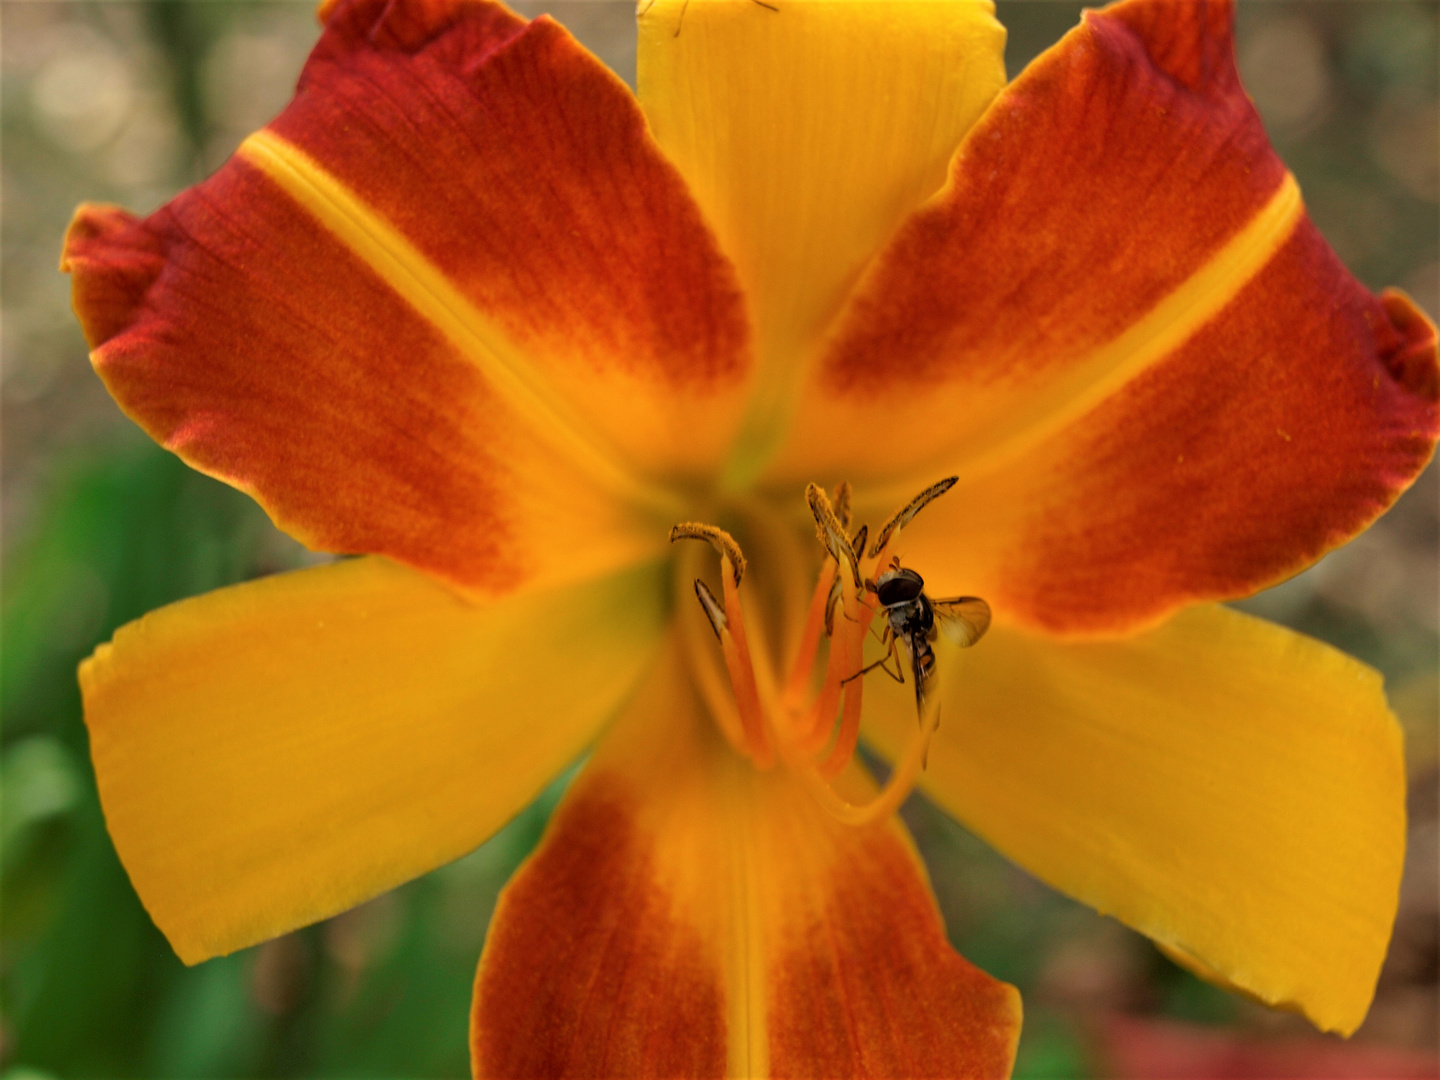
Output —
(912, 617)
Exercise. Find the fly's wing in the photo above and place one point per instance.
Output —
(963, 619)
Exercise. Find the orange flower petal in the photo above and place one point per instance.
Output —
(273, 753)
(1230, 788)
(686, 915)
(1155, 380)
(450, 304)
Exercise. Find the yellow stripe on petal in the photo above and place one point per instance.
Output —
(807, 131)
(276, 752)
(1230, 788)
(1027, 419)
(386, 251)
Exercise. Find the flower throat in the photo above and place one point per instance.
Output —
(814, 733)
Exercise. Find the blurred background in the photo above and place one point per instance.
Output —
(130, 101)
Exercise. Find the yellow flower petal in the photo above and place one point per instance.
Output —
(689, 915)
(807, 132)
(276, 752)
(1230, 788)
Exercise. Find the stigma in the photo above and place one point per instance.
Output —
(785, 719)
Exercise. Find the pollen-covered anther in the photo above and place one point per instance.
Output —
(831, 530)
(906, 514)
(857, 545)
(718, 538)
(841, 503)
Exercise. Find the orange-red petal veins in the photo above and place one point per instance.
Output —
(1213, 475)
(1154, 379)
(452, 306)
(587, 970)
(523, 170)
(688, 915)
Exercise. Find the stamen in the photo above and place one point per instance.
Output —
(742, 670)
(831, 603)
(718, 538)
(844, 748)
(829, 530)
(907, 514)
(713, 611)
(841, 499)
(719, 698)
(747, 731)
(799, 680)
(857, 545)
(848, 736)
(763, 721)
(896, 790)
(814, 733)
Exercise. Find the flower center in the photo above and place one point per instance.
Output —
(813, 731)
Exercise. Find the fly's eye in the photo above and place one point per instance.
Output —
(898, 587)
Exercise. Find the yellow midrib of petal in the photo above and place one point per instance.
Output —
(748, 1033)
(1228, 787)
(381, 247)
(807, 131)
(744, 960)
(1111, 367)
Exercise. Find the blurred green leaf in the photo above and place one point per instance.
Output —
(121, 534)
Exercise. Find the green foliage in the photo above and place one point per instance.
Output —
(90, 987)
(124, 533)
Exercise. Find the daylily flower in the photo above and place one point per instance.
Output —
(468, 310)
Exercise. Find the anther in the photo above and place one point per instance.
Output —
(906, 515)
(714, 610)
(832, 600)
(829, 530)
(858, 544)
(841, 499)
(718, 538)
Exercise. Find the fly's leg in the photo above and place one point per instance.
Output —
(887, 638)
(898, 675)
